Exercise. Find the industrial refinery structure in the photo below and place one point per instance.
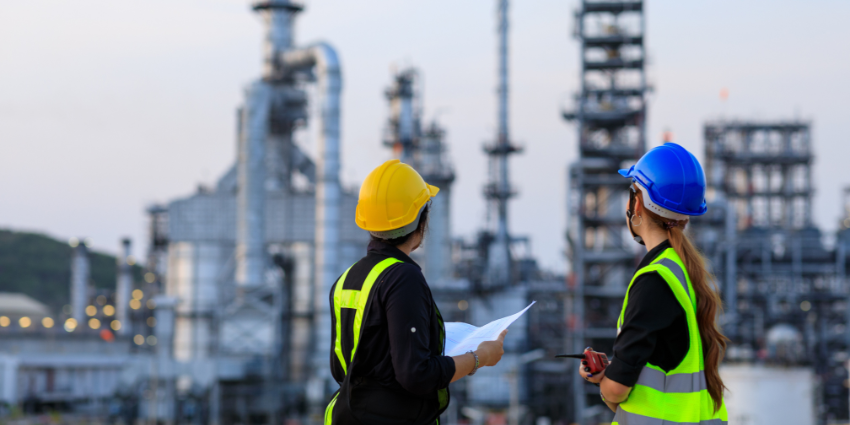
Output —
(231, 322)
(610, 113)
(784, 289)
(247, 265)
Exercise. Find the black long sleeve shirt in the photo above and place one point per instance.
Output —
(399, 361)
(654, 330)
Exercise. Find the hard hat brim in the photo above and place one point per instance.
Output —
(635, 175)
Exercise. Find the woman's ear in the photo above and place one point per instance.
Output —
(639, 204)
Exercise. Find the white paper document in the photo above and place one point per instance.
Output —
(462, 337)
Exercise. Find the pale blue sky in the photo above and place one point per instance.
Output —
(107, 106)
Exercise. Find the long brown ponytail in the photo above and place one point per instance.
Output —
(709, 305)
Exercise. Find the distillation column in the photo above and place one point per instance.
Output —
(425, 151)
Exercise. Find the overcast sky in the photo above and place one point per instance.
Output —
(107, 106)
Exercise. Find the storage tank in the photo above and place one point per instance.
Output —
(769, 395)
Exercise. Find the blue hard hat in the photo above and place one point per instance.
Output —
(672, 177)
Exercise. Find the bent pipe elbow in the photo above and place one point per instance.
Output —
(320, 55)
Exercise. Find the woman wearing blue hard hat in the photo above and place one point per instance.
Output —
(668, 348)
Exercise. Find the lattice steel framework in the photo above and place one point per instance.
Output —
(610, 112)
(785, 292)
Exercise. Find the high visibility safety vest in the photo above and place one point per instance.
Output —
(359, 301)
(679, 396)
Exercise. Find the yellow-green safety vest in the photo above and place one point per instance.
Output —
(358, 301)
(679, 396)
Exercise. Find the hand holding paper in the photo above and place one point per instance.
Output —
(463, 337)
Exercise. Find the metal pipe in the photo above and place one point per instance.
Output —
(123, 287)
(504, 136)
(80, 272)
(731, 289)
(324, 60)
(251, 175)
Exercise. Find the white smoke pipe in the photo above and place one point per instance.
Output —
(323, 59)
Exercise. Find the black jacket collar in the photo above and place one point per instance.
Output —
(653, 254)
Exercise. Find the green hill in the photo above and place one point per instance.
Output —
(40, 266)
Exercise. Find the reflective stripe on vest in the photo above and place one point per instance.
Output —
(354, 299)
(443, 393)
(625, 418)
(330, 410)
(680, 396)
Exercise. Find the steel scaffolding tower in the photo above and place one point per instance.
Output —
(764, 169)
(610, 112)
(785, 292)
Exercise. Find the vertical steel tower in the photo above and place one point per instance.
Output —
(610, 113)
(498, 190)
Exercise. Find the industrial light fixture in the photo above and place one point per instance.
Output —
(70, 325)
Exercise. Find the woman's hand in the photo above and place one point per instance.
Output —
(596, 378)
(592, 378)
(613, 392)
(490, 352)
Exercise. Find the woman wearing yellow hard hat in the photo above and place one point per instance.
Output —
(388, 334)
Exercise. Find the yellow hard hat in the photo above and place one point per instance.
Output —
(391, 200)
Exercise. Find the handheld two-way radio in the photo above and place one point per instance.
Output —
(594, 362)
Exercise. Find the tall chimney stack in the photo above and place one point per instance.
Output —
(123, 287)
(80, 272)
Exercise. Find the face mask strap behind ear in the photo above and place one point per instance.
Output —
(631, 212)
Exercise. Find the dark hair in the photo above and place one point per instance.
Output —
(708, 301)
(422, 227)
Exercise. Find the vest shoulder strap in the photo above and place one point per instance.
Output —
(356, 300)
